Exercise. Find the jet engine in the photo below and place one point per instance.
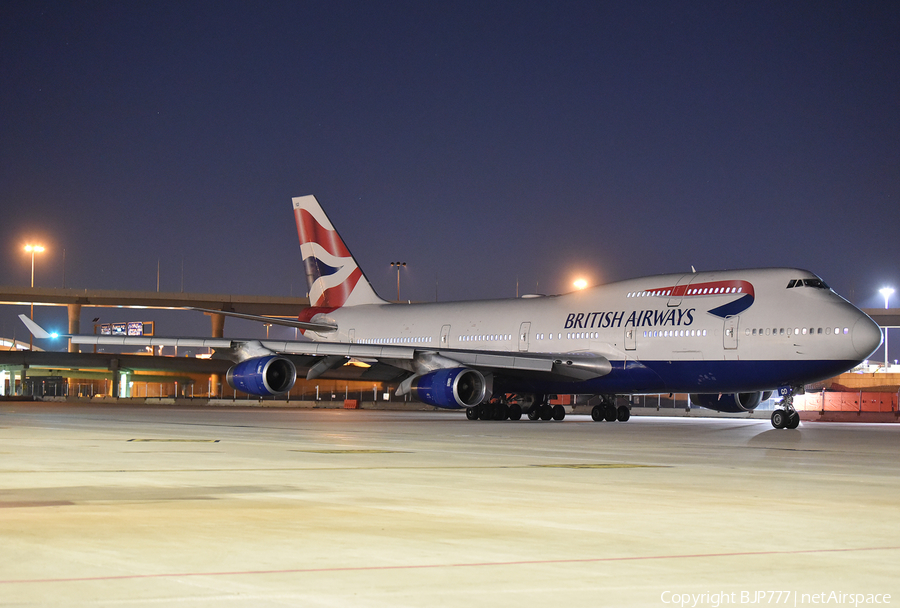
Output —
(732, 403)
(263, 376)
(450, 388)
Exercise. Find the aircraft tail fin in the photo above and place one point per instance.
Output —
(333, 276)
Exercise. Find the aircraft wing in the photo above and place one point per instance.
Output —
(306, 325)
(333, 354)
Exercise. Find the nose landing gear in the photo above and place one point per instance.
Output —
(786, 417)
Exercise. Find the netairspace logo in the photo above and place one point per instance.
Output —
(795, 598)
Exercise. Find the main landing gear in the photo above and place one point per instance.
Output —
(496, 409)
(786, 417)
(510, 409)
(608, 411)
(535, 407)
(545, 411)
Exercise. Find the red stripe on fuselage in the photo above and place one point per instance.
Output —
(705, 289)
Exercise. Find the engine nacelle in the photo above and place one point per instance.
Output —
(450, 388)
(263, 376)
(731, 403)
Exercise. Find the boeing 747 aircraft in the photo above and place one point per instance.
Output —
(729, 338)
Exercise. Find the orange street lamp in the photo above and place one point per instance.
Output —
(32, 249)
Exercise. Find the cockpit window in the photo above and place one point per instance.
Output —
(817, 283)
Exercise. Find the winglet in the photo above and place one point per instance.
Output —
(36, 330)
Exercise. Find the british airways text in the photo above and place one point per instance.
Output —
(638, 318)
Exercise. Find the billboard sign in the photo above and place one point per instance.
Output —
(132, 328)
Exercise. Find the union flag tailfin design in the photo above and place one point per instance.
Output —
(333, 276)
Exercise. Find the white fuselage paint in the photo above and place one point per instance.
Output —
(625, 322)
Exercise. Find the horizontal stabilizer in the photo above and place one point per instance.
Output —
(36, 330)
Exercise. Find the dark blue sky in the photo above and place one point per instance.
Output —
(479, 142)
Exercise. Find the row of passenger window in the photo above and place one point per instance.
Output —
(671, 333)
(418, 340)
(488, 338)
(690, 292)
(781, 331)
(650, 294)
(675, 333)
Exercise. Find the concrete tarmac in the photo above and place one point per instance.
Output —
(148, 506)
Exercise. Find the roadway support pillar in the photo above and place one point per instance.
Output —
(218, 331)
(74, 324)
(114, 385)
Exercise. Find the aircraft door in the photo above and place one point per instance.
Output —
(524, 330)
(731, 332)
(445, 336)
(351, 335)
(630, 338)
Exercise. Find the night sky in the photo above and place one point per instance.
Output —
(482, 143)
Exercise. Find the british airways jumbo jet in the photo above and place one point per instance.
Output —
(727, 337)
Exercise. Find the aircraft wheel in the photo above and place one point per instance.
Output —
(623, 413)
(779, 419)
(501, 412)
(515, 412)
(597, 413)
(559, 412)
(472, 413)
(793, 422)
(534, 413)
(546, 412)
(610, 414)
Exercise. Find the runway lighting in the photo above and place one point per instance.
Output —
(580, 284)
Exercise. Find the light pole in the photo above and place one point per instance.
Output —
(398, 266)
(886, 292)
(32, 249)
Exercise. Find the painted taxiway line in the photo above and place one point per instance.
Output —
(176, 575)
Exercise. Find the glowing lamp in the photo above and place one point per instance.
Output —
(886, 292)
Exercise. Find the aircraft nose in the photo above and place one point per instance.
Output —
(866, 336)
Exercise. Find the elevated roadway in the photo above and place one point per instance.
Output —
(254, 305)
(76, 299)
(885, 317)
